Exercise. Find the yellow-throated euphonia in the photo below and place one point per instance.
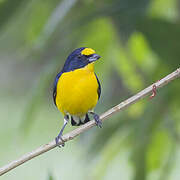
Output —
(77, 88)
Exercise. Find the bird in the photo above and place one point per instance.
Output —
(77, 89)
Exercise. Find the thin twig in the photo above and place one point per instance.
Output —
(85, 127)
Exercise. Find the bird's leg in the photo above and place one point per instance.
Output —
(97, 119)
(66, 119)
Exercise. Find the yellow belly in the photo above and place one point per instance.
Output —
(77, 92)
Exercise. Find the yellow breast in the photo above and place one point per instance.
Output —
(77, 91)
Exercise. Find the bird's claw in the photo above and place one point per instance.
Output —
(98, 121)
(57, 141)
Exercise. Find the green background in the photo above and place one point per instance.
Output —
(139, 42)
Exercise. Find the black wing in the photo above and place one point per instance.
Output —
(55, 86)
(99, 87)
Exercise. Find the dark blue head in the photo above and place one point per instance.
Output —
(79, 58)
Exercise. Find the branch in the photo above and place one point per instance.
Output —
(71, 135)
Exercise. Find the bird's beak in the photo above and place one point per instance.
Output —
(93, 58)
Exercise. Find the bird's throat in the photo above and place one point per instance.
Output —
(89, 67)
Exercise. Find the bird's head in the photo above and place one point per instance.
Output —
(80, 58)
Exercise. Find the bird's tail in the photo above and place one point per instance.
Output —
(77, 121)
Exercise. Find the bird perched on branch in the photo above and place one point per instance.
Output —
(77, 89)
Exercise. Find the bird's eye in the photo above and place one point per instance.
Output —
(79, 56)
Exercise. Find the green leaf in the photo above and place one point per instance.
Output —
(50, 177)
(160, 8)
(123, 63)
(158, 149)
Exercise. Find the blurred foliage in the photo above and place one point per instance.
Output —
(139, 44)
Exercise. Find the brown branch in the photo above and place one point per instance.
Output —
(85, 127)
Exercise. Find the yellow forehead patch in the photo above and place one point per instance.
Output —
(88, 51)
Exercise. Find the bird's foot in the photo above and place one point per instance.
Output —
(98, 121)
(57, 141)
(59, 137)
